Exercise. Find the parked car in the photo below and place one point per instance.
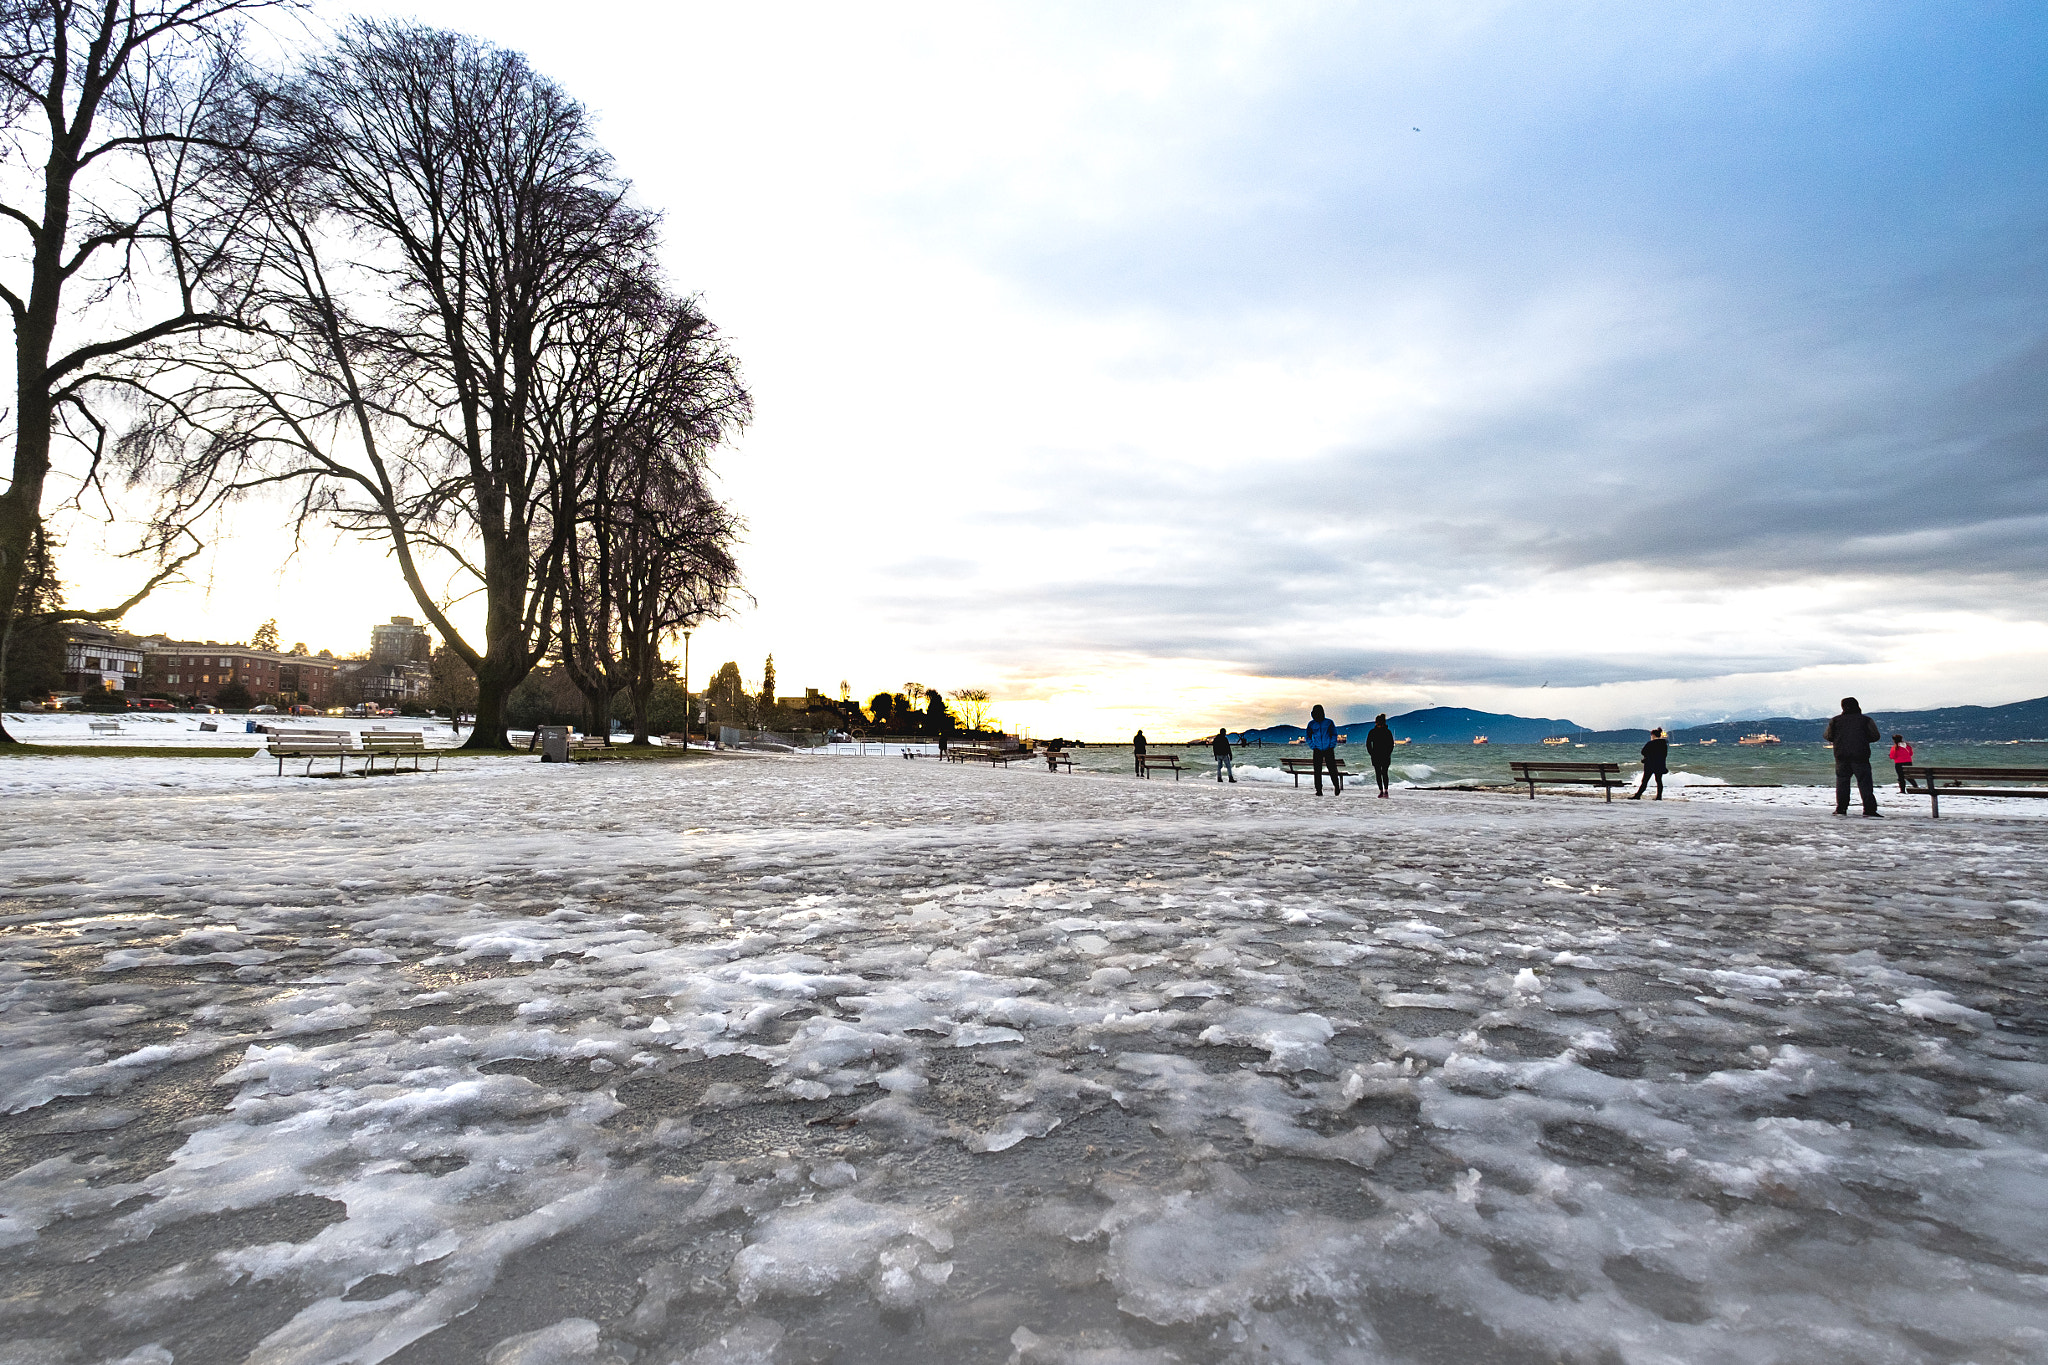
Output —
(203, 709)
(264, 710)
(150, 704)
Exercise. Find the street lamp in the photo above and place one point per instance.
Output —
(688, 714)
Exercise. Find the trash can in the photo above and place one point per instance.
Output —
(554, 744)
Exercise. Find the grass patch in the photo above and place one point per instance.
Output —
(118, 751)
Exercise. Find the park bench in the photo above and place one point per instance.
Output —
(104, 727)
(396, 744)
(1606, 776)
(1300, 766)
(1169, 762)
(1935, 781)
(310, 745)
(586, 743)
(1056, 759)
(965, 753)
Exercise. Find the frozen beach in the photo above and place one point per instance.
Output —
(781, 1060)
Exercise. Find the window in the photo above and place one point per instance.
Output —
(92, 661)
(172, 678)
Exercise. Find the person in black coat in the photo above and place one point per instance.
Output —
(1654, 765)
(1138, 752)
(1852, 733)
(1379, 747)
(1220, 746)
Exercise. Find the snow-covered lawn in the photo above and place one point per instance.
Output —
(796, 1060)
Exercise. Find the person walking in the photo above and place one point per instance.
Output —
(1138, 752)
(1379, 747)
(1322, 749)
(1654, 765)
(1902, 758)
(1852, 733)
(1220, 746)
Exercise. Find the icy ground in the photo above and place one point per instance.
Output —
(804, 1060)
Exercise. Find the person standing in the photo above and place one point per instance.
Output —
(1852, 733)
(1220, 746)
(1902, 758)
(1322, 749)
(1379, 747)
(1138, 753)
(1655, 763)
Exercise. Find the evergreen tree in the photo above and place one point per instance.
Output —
(726, 695)
(768, 687)
(265, 636)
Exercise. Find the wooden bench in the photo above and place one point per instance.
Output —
(1927, 781)
(1056, 759)
(1165, 762)
(1606, 776)
(311, 745)
(1299, 766)
(396, 744)
(966, 753)
(104, 727)
(586, 743)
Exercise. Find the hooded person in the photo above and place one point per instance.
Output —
(1322, 750)
(1852, 733)
(1138, 752)
(1655, 764)
(1379, 747)
(1220, 746)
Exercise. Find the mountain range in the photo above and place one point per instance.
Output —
(1458, 725)
(1440, 725)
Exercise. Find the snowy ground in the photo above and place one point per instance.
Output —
(803, 1060)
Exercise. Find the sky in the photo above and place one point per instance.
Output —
(1187, 364)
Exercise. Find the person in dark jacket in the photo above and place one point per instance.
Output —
(1138, 752)
(1322, 751)
(1220, 746)
(1654, 765)
(1379, 747)
(1852, 733)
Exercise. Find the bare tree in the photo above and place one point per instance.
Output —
(974, 706)
(648, 552)
(436, 214)
(112, 113)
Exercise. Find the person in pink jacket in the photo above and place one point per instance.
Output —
(1902, 758)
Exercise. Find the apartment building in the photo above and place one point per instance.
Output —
(189, 668)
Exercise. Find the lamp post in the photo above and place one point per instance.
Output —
(689, 715)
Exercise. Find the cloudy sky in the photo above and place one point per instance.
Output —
(1180, 363)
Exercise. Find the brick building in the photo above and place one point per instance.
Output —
(97, 659)
(188, 668)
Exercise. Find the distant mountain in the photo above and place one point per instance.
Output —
(1440, 725)
(2016, 720)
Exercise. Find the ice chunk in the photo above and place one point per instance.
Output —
(570, 1340)
(1293, 1042)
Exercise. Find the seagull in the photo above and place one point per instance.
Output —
(1415, 130)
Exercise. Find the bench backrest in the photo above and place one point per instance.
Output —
(394, 739)
(1933, 770)
(1521, 767)
(309, 744)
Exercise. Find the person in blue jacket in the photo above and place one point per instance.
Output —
(1322, 748)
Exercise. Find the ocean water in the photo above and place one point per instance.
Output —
(1437, 765)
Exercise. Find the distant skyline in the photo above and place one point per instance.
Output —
(1184, 364)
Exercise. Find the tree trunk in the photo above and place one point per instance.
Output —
(488, 730)
(640, 696)
(597, 720)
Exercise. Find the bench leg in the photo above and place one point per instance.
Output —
(1608, 787)
(1934, 797)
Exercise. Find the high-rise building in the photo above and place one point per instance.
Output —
(404, 641)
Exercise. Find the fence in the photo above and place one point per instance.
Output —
(734, 737)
